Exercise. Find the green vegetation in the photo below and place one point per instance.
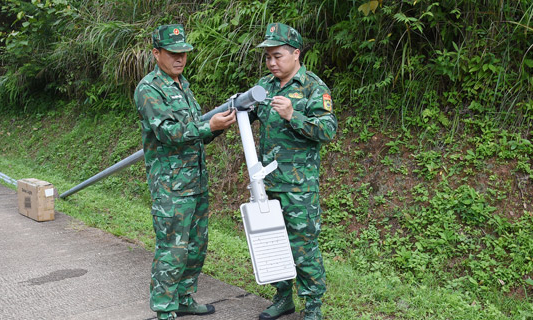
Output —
(427, 189)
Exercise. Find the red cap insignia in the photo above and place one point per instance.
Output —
(176, 31)
(272, 29)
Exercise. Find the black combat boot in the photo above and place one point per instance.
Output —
(282, 305)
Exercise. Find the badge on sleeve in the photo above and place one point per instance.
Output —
(326, 100)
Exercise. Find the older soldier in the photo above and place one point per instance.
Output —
(293, 125)
(173, 142)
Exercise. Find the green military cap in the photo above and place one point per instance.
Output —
(171, 37)
(278, 34)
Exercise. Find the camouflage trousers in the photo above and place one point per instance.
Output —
(180, 249)
(301, 211)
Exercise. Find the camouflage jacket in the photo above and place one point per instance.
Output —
(295, 144)
(173, 137)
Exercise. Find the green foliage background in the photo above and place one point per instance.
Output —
(431, 170)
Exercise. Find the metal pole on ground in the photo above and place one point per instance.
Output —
(107, 172)
(7, 179)
(240, 102)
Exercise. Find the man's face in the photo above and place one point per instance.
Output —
(171, 63)
(282, 63)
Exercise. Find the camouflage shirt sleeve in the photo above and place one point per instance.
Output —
(318, 123)
(172, 123)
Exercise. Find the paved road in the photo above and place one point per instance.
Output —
(63, 269)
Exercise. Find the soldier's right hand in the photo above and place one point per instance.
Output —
(222, 120)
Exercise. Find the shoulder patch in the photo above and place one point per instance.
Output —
(326, 100)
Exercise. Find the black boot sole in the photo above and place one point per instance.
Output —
(210, 310)
(266, 316)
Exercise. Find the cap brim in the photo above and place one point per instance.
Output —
(270, 43)
(179, 47)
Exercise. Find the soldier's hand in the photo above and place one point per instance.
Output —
(283, 106)
(222, 120)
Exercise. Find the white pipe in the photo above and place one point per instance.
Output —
(247, 140)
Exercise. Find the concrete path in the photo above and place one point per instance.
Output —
(63, 269)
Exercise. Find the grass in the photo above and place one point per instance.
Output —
(376, 293)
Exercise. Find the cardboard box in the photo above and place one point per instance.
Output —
(36, 199)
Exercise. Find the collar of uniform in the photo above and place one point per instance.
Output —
(300, 76)
(168, 80)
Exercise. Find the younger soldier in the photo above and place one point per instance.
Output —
(293, 126)
(173, 142)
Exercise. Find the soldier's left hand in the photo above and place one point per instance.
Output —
(222, 120)
(283, 106)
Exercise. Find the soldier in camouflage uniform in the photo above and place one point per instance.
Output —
(294, 124)
(173, 142)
